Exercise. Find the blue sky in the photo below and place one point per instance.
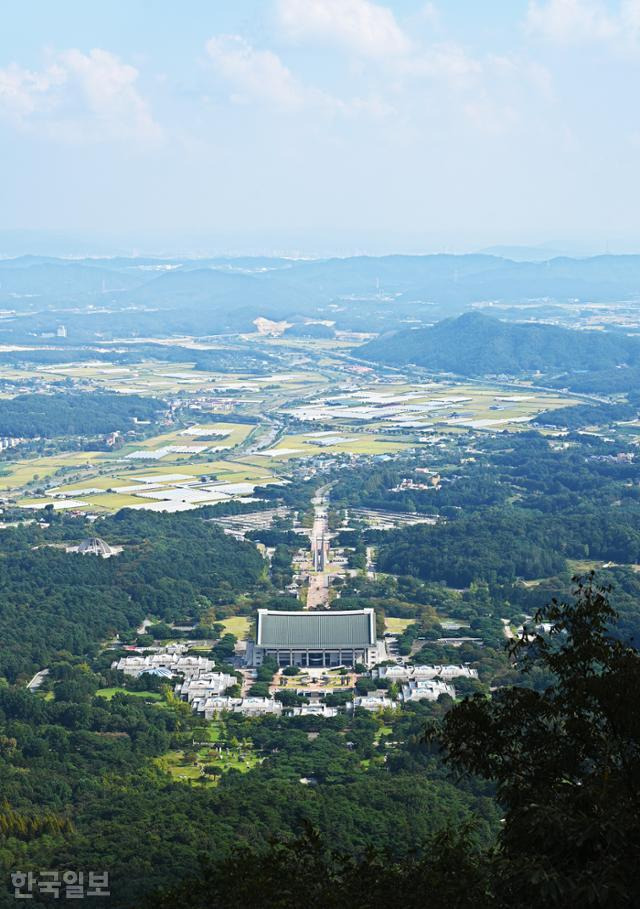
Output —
(323, 125)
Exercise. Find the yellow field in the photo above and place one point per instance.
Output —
(237, 432)
(396, 626)
(305, 446)
(23, 472)
(112, 501)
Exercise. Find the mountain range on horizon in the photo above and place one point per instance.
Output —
(439, 279)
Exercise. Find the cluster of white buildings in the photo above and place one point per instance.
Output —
(323, 640)
(163, 664)
(201, 685)
(374, 702)
(212, 706)
(426, 690)
(315, 708)
(418, 683)
(400, 673)
(209, 707)
(10, 442)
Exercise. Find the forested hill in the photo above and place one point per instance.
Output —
(474, 344)
(176, 567)
(71, 414)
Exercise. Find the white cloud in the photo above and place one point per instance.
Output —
(585, 21)
(630, 13)
(371, 31)
(365, 28)
(448, 61)
(78, 96)
(259, 76)
(255, 74)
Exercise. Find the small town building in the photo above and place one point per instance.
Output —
(313, 709)
(174, 663)
(211, 707)
(202, 685)
(426, 690)
(401, 673)
(374, 702)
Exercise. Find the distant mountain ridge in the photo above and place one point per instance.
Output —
(452, 280)
(153, 297)
(475, 344)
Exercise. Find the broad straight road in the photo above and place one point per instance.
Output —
(318, 595)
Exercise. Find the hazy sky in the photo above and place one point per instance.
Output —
(323, 125)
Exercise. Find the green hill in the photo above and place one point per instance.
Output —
(474, 344)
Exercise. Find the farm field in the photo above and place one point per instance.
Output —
(203, 436)
(306, 445)
(206, 461)
(17, 474)
(427, 405)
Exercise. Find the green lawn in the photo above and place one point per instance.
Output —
(239, 625)
(108, 693)
(180, 770)
(396, 626)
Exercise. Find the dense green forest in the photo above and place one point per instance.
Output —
(515, 519)
(73, 414)
(94, 797)
(607, 381)
(228, 359)
(565, 761)
(465, 804)
(176, 567)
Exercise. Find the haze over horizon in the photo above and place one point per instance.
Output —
(320, 127)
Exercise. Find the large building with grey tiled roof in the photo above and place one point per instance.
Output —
(316, 639)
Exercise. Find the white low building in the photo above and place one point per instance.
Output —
(174, 663)
(374, 702)
(212, 706)
(203, 685)
(322, 710)
(405, 673)
(426, 690)
(395, 673)
(446, 672)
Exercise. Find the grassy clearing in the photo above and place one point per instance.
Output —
(581, 566)
(239, 625)
(108, 693)
(185, 766)
(396, 626)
